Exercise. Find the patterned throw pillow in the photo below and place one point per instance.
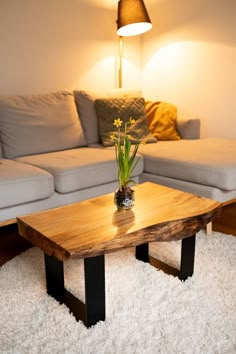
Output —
(162, 118)
(109, 109)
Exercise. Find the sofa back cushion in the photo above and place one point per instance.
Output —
(189, 128)
(85, 101)
(39, 123)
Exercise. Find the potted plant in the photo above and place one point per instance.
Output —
(126, 162)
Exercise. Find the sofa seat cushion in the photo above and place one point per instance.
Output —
(209, 161)
(35, 124)
(81, 168)
(22, 183)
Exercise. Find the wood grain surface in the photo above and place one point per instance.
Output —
(95, 227)
(7, 222)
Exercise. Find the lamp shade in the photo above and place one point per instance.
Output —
(133, 18)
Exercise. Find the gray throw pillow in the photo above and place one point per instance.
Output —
(109, 109)
(34, 124)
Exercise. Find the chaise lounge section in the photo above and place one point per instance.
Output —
(206, 167)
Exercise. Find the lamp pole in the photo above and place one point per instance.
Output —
(120, 62)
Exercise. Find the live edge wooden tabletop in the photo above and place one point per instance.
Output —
(94, 227)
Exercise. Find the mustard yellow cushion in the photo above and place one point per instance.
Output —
(162, 118)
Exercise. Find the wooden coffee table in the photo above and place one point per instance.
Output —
(92, 228)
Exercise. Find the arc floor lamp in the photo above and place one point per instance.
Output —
(132, 19)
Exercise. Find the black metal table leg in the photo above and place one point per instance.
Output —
(187, 257)
(186, 263)
(54, 277)
(94, 272)
(142, 252)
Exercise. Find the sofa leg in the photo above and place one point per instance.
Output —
(209, 228)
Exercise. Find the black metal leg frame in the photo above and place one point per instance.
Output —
(187, 256)
(94, 275)
(94, 272)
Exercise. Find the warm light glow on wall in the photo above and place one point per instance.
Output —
(94, 78)
(171, 66)
(190, 74)
(173, 63)
(103, 74)
(168, 56)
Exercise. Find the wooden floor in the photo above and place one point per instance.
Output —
(12, 244)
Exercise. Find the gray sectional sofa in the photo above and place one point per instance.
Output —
(50, 155)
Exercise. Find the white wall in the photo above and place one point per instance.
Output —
(48, 45)
(189, 59)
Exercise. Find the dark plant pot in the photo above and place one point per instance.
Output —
(124, 200)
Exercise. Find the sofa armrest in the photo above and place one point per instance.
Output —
(189, 128)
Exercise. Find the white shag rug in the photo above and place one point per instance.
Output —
(147, 311)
